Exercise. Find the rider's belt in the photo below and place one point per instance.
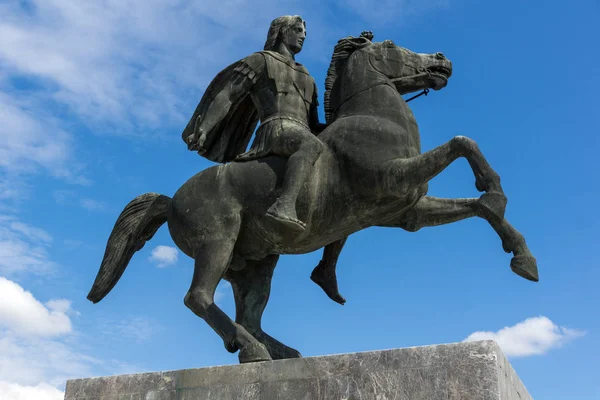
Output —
(274, 117)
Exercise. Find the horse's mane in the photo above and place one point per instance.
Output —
(342, 50)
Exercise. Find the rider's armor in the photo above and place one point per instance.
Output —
(283, 92)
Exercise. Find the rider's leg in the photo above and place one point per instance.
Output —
(324, 274)
(303, 149)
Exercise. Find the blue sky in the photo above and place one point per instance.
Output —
(94, 96)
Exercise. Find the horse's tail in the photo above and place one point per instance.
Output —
(138, 222)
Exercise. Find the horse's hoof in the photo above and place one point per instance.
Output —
(254, 352)
(525, 266)
(493, 206)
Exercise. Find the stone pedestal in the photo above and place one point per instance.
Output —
(461, 371)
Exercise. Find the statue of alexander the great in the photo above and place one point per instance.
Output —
(271, 86)
(235, 220)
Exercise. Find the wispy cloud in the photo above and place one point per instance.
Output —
(12, 187)
(23, 248)
(164, 256)
(71, 198)
(91, 204)
(534, 336)
(31, 140)
(139, 329)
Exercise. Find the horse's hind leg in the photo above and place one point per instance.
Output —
(251, 289)
(212, 258)
(433, 211)
(418, 170)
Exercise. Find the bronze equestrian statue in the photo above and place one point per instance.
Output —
(295, 192)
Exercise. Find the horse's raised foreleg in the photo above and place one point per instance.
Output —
(433, 211)
(523, 263)
(212, 258)
(251, 289)
(409, 173)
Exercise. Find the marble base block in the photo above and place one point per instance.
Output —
(461, 371)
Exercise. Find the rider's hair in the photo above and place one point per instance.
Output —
(280, 26)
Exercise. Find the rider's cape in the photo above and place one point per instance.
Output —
(231, 135)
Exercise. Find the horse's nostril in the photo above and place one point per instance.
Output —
(440, 55)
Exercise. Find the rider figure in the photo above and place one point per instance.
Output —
(285, 98)
(271, 86)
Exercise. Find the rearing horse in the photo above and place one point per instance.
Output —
(372, 173)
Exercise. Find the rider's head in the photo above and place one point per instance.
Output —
(289, 30)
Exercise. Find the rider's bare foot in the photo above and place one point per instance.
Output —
(285, 216)
(325, 277)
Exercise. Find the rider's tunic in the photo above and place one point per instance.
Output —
(285, 96)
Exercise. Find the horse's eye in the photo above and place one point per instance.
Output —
(388, 43)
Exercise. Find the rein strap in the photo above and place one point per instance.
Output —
(424, 92)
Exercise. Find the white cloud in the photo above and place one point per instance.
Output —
(30, 361)
(23, 248)
(43, 391)
(164, 255)
(33, 360)
(22, 314)
(36, 358)
(534, 336)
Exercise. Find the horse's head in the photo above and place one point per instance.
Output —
(409, 71)
(358, 64)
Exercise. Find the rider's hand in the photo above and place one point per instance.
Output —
(196, 140)
(191, 141)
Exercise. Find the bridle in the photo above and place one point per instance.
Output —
(423, 72)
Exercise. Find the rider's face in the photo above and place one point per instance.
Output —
(294, 37)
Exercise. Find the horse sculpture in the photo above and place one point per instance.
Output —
(372, 173)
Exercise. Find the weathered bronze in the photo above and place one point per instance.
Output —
(295, 192)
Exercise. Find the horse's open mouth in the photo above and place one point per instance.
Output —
(440, 71)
